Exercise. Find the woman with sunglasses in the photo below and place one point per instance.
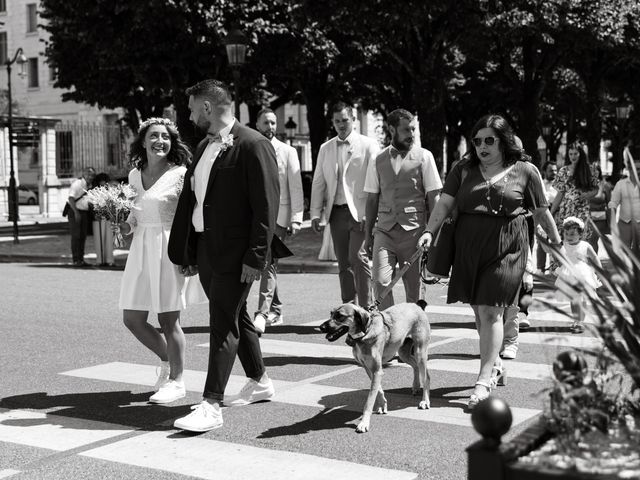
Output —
(576, 183)
(493, 196)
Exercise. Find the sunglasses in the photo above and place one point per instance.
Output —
(488, 141)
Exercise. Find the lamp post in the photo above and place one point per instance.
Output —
(546, 133)
(290, 127)
(236, 44)
(13, 192)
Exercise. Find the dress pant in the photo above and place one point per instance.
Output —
(231, 329)
(78, 228)
(630, 235)
(353, 265)
(391, 248)
(268, 299)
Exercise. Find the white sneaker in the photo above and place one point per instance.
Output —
(163, 376)
(169, 392)
(274, 319)
(509, 352)
(260, 323)
(253, 392)
(204, 417)
(523, 322)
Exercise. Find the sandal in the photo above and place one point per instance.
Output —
(474, 399)
(498, 375)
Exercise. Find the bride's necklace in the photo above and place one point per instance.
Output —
(153, 178)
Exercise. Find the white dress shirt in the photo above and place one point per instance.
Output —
(201, 177)
(343, 147)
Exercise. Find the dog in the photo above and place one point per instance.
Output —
(376, 337)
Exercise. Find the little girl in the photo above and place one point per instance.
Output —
(581, 255)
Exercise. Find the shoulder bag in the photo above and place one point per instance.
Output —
(441, 252)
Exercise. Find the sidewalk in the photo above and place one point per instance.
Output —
(46, 240)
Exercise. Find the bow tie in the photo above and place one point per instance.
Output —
(342, 142)
(394, 152)
(214, 137)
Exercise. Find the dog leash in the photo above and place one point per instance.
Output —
(399, 274)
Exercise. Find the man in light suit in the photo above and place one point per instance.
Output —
(223, 229)
(402, 183)
(289, 217)
(337, 191)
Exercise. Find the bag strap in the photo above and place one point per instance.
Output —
(454, 211)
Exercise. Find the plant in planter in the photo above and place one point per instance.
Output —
(591, 428)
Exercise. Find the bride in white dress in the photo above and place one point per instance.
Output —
(151, 283)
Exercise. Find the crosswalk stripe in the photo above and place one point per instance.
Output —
(534, 315)
(320, 396)
(37, 430)
(213, 459)
(531, 371)
(8, 472)
(537, 338)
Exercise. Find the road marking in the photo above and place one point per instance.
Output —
(53, 432)
(212, 460)
(325, 396)
(537, 338)
(8, 472)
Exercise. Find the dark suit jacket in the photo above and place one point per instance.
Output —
(240, 207)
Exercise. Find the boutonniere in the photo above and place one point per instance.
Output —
(227, 142)
(350, 150)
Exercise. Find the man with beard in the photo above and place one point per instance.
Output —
(289, 217)
(223, 229)
(403, 185)
(337, 192)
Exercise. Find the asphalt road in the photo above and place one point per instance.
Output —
(75, 383)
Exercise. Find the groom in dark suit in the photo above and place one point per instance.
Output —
(223, 229)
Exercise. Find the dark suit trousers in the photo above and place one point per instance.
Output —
(78, 228)
(231, 329)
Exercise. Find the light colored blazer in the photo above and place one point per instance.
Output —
(291, 196)
(325, 179)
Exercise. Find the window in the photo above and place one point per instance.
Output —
(32, 69)
(3, 47)
(64, 154)
(3, 6)
(32, 17)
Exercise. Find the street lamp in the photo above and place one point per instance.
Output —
(546, 133)
(13, 192)
(236, 44)
(622, 115)
(290, 128)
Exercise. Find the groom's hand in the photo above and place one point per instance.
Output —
(249, 274)
(189, 270)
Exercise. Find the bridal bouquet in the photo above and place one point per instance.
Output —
(113, 202)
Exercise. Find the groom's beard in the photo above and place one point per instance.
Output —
(203, 126)
(267, 133)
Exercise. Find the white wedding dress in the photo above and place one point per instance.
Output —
(150, 281)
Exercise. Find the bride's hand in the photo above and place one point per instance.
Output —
(123, 227)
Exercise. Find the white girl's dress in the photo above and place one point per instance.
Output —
(580, 269)
(150, 281)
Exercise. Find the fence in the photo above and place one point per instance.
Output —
(82, 144)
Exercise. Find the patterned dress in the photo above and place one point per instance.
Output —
(150, 281)
(571, 204)
(491, 236)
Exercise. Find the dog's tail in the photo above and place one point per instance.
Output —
(422, 303)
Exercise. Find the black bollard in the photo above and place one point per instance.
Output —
(491, 418)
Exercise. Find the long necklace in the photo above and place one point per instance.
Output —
(490, 185)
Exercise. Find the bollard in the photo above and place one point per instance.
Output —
(491, 418)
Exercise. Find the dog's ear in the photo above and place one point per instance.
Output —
(361, 319)
(422, 303)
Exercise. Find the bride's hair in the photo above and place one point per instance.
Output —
(178, 154)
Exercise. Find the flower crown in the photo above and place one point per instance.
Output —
(571, 222)
(156, 121)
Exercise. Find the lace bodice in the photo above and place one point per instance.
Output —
(158, 204)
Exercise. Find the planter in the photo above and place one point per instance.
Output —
(490, 459)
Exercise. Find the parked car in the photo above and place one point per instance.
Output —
(27, 196)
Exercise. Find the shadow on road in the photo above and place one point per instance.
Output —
(117, 409)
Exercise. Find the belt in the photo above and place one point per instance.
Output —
(344, 205)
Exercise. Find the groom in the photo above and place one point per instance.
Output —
(223, 229)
